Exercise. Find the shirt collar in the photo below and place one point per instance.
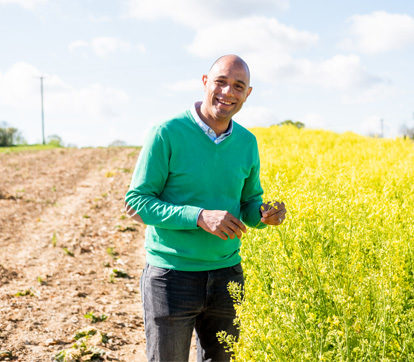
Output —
(207, 129)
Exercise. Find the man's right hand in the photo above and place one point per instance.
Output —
(220, 223)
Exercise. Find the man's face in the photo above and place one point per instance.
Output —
(226, 88)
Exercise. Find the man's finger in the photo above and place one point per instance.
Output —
(275, 219)
(274, 211)
(221, 235)
(239, 224)
(236, 229)
(228, 230)
(277, 206)
(270, 212)
(266, 207)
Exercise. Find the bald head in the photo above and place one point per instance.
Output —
(231, 60)
(226, 88)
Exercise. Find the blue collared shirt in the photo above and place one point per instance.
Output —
(208, 130)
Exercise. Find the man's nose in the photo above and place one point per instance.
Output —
(227, 89)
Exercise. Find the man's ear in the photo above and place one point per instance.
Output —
(248, 92)
(204, 79)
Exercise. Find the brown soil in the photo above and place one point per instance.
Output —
(62, 231)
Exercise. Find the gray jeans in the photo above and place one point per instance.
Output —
(175, 302)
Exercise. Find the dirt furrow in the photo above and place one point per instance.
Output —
(58, 265)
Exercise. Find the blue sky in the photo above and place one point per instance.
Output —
(114, 68)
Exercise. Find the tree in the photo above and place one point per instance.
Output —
(55, 140)
(289, 122)
(407, 132)
(117, 143)
(10, 136)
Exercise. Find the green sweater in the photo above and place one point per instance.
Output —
(181, 171)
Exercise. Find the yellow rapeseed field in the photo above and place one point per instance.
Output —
(335, 281)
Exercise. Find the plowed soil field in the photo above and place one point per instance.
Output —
(68, 250)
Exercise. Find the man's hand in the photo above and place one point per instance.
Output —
(132, 213)
(220, 223)
(273, 212)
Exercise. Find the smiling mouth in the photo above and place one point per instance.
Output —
(226, 103)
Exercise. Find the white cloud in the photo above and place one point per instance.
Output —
(249, 36)
(199, 13)
(77, 44)
(375, 93)
(314, 120)
(100, 19)
(259, 116)
(372, 126)
(93, 102)
(65, 105)
(340, 72)
(19, 84)
(379, 32)
(189, 85)
(140, 47)
(103, 46)
(267, 46)
(256, 116)
(346, 74)
(26, 4)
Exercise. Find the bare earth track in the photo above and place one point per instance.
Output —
(52, 204)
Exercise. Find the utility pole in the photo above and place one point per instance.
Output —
(43, 114)
(382, 128)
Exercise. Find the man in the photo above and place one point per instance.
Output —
(196, 185)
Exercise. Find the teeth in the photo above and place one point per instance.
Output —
(224, 102)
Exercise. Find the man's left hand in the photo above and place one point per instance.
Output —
(273, 212)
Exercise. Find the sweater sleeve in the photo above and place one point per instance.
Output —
(252, 192)
(148, 181)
